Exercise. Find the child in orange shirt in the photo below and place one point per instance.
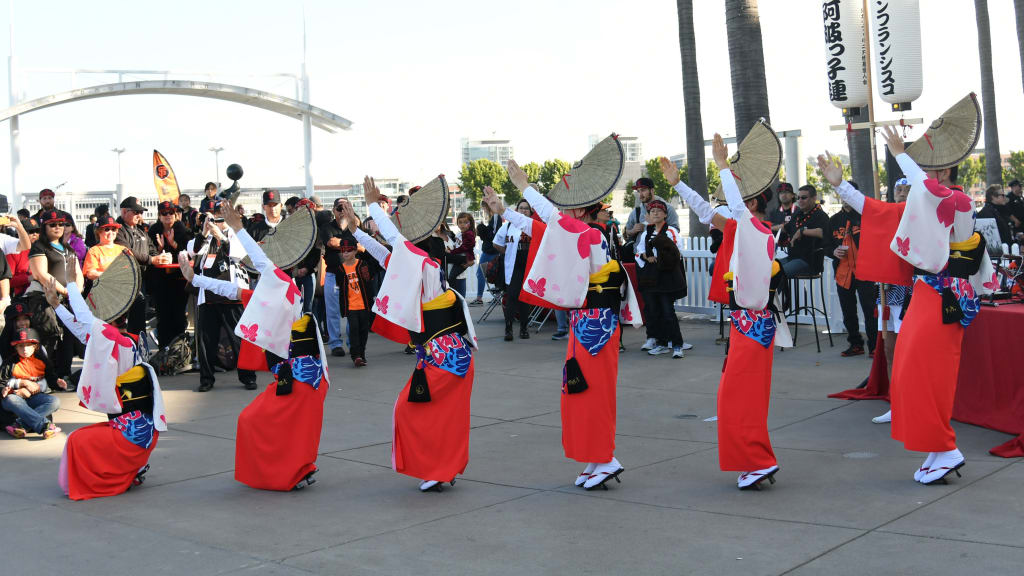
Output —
(356, 299)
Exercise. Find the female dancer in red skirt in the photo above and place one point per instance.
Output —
(745, 277)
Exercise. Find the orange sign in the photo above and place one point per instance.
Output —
(164, 180)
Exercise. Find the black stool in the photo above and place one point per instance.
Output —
(801, 304)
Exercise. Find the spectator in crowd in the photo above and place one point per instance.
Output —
(216, 255)
(16, 317)
(806, 231)
(780, 215)
(189, 215)
(357, 296)
(1015, 207)
(132, 235)
(23, 214)
(842, 247)
(261, 224)
(291, 204)
(25, 378)
(610, 227)
(210, 198)
(166, 283)
(103, 253)
(332, 234)
(51, 258)
(463, 256)
(90, 230)
(17, 261)
(46, 205)
(485, 230)
(514, 244)
(14, 252)
(637, 221)
(660, 277)
(995, 203)
(77, 243)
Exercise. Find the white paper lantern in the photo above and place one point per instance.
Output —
(896, 29)
(845, 56)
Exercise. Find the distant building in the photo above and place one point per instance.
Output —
(678, 159)
(499, 151)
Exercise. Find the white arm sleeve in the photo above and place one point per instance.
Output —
(80, 330)
(373, 248)
(699, 205)
(218, 287)
(259, 259)
(387, 228)
(910, 169)
(82, 312)
(732, 194)
(852, 196)
(521, 221)
(541, 205)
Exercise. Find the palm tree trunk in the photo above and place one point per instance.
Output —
(993, 164)
(691, 105)
(746, 63)
(1018, 8)
(859, 142)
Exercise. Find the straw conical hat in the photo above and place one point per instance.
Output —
(114, 292)
(756, 162)
(290, 241)
(950, 138)
(592, 178)
(417, 216)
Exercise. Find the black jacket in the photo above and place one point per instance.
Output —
(136, 240)
(9, 362)
(181, 237)
(838, 223)
(990, 210)
(366, 269)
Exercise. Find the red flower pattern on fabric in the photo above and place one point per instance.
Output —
(538, 287)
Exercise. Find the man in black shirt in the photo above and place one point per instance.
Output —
(995, 208)
(46, 205)
(133, 236)
(779, 216)
(842, 247)
(332, 234)
(261, 224)
(806, 231)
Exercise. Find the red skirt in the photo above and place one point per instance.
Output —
(98, 461)
(588, 418)
(925, 368)
(431, 439)
(279, 436)
(743, 396)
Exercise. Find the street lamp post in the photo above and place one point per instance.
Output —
(118, 151)
(216, 162)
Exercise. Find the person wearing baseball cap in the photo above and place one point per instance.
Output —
(23, 384)
(133, 236)
(170, 235)
(103, 253)
(636, 223)
(46, 197)
(782, 214)
(262, 224)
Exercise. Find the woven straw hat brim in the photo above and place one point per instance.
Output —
(592, 178)
(951, 137)
(290, 241)
(756, 162)
(418, 215)
(114, 292)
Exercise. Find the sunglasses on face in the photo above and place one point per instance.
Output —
(802, 197)
(55, 225)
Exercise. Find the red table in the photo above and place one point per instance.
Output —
(990, 391)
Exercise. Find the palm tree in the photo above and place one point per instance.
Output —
(1018, 8)
(746, 62)
(859, 142)
(993, 169)
(691, 105)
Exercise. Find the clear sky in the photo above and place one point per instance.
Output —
(415, 77)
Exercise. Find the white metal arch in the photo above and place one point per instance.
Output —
(319, 117)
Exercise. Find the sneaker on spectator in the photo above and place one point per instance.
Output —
(650, 344)
(853, 350)
(339, 351)
(559, 335)
(477, 302)
(687, 346)
(677, 352)
(51, 431)
(16, 430)
(659, 349)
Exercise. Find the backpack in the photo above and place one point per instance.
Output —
(174, 358)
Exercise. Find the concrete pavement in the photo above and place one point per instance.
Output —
(845, 502)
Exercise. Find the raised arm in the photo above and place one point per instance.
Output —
(81, 310)
(541, 205)
(705, 212)
(379, 252)
(388, 230)
(521, 221)
(218, 287)
(910, 168)
(829, 166)
(79, 329)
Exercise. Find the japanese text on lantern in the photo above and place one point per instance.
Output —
(885, 59)
(835, 47)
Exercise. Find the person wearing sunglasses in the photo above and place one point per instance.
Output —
(52, 259)
(333, 235)
(995, 208)
(46, 197)
(806, 231)
(132, 236)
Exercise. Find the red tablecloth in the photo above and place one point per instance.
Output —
(990, 393)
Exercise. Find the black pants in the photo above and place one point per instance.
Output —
(62, 352)
(136, 322)
(514, 305)
(169, 299)
(213, 318)
(848, 297)
(358, 332)
(662, 324)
